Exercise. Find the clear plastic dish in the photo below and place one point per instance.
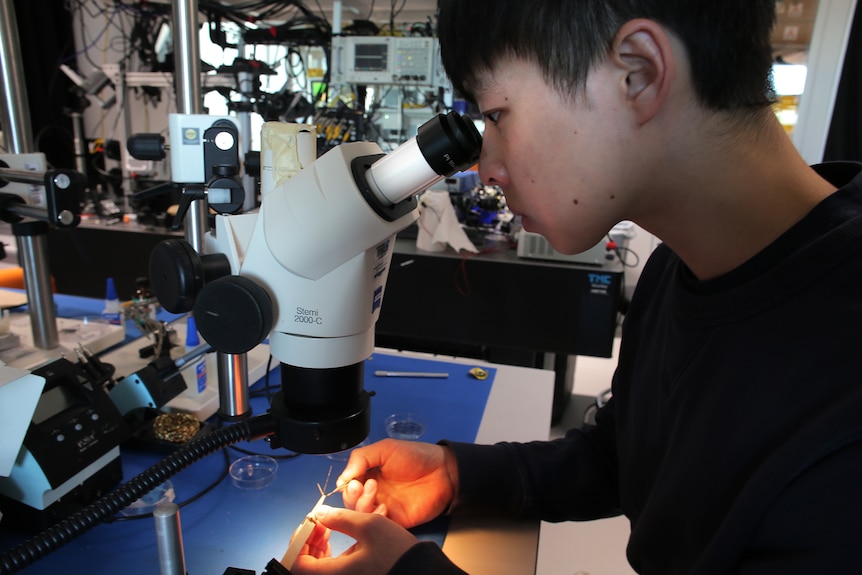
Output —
(253, 471)
(164, 493)
(405, 426)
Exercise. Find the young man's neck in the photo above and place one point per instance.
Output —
(741, 194)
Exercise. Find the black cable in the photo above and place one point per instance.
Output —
(619, 251)
(82, 521)
(268, 391)
(190, 500)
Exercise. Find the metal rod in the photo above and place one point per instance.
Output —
(246, 87)
(22, 176)
(17, 130)
(187, 75)
(233, 369)
(233, 386)
(18, 136)
(32, 250)
(169, 538)
(79, 142)
(26, 211)
(196, 224)
(192, 355)
(187, 57)
(122, 97)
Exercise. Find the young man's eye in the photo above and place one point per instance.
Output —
(492, 117)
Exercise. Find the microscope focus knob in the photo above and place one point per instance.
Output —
(233, 314)
(147, 147)
(178, 273)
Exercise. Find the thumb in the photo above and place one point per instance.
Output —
(373, 532)
(347, 521)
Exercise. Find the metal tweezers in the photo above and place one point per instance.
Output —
(307, 525)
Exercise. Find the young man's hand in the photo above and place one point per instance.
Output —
(379, 544)
(410, 482)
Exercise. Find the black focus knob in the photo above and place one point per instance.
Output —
(233, 314)
(178, 273)
(146, 147)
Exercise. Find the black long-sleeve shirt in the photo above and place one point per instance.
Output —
(733, 441)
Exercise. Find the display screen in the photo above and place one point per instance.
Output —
(53, 401)
(371, 58)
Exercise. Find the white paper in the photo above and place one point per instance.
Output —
(439, 226)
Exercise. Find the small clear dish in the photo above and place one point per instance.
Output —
(405, 426)
(253, 471)
(164, 493)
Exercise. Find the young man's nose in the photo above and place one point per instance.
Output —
(492, 172)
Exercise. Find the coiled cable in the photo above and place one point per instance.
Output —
(82, 521)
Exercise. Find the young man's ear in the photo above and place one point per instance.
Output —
(643, 52)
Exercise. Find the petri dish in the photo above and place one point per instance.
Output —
(164, 493)
(253, 471)
(405, 426)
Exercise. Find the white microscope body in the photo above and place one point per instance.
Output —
(322, 254)
(308, 270)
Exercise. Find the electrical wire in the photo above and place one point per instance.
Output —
(622, 253)
(82, 521)
(215, 483)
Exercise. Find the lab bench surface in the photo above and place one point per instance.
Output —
(232, 527)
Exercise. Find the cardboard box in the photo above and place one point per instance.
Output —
(796, 10)
(794, 23)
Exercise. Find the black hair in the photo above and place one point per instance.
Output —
(728, 41)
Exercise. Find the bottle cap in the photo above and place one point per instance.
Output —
(192, 339)
(111, 290)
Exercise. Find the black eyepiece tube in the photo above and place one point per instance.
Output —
(449, 143)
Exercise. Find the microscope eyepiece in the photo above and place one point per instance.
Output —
(449, 143)
(444, 145)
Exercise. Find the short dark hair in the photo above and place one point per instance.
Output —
(728, 41)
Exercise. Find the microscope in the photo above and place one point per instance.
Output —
(308, 269)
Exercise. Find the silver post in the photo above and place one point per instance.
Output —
(187, 58)
(233, 369)
(233, 385)
(187, 77)
(246, 87)
(17, 129)
(169, 538)
(18, 134)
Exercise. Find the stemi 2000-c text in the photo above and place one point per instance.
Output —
(307, 316)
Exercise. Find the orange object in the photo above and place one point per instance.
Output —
(14, 278)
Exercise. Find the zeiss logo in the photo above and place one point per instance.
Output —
(602, 279)
(378, 298)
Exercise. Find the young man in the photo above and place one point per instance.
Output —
(733, 442)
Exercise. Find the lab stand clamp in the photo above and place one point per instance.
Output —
(60, 203)
(204, 158)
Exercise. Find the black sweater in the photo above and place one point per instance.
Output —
(733, 441)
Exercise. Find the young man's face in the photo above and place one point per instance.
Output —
(560, 162)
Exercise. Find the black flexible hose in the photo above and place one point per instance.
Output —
(82, 521)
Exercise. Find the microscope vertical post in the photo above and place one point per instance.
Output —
(190, 101)
(18, 134)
